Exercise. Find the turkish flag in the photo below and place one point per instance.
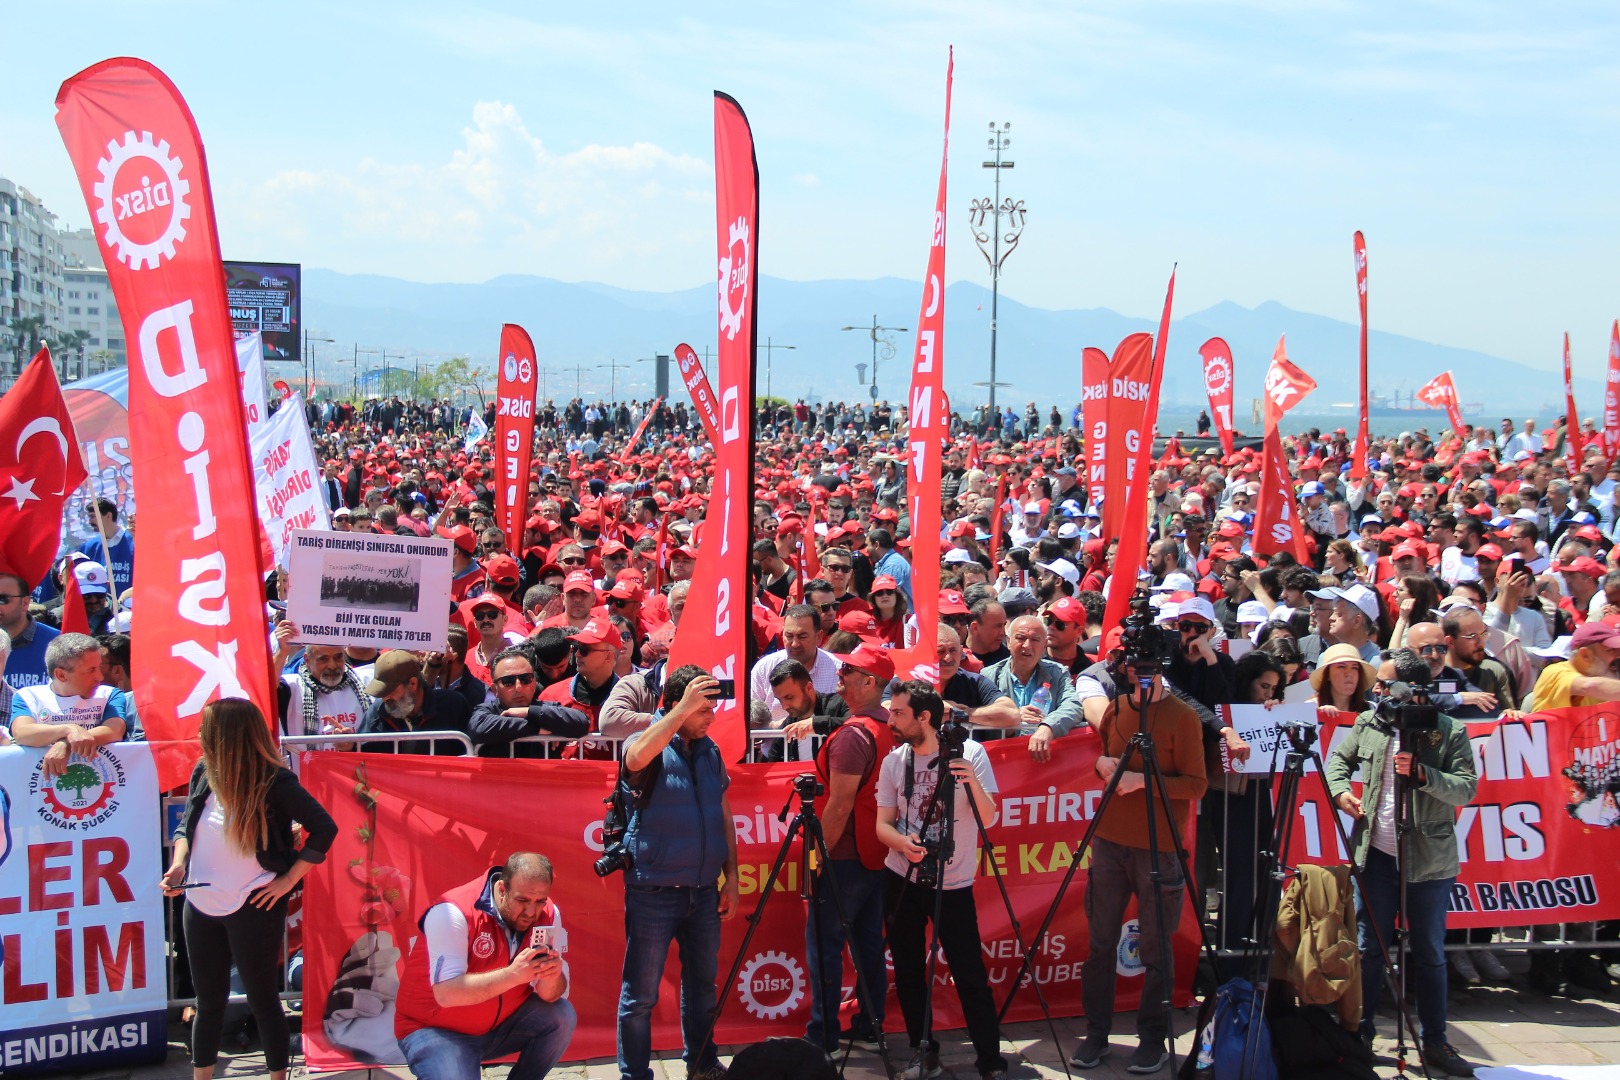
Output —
(36, 476)
(1286, 386)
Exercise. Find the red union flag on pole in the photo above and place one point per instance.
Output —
(514, 432)
(1358, 461)
(37, 476)
(1440, 392)
(1286, 386)
(140, 165)
(1572, 421)
(1611, 397)
(1129, 374)
(715, 627)
(929, 416)
(1094, 421)
(1276, 520)
(697, 384)
(1217, 356)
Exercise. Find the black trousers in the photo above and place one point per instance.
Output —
(251, 939)
(909, 910)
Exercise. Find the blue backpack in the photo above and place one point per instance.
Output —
(1236, 1045)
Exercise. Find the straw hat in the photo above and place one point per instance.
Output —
(1341, 654)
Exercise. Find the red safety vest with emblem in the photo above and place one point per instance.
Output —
(863, 818)
(486, 951)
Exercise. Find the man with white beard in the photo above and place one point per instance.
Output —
(325, 697)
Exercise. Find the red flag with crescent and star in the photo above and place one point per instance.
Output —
(37, 476)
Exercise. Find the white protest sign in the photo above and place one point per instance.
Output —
(250, 366)
(287, 476)
(81, 916)
(476, 430)
(383, 592)
(1260, 727)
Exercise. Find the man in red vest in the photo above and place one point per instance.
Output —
(848, 764)
(477, 987)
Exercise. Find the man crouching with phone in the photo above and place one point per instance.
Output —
(486, 978)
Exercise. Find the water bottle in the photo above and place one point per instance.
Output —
(1042, 700)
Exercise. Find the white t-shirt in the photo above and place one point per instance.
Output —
(891, 793)
(45, 706)
(336, 713)
(231, 874)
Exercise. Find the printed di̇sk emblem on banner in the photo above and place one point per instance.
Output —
(84, 795)
(142, 196)
(771, 985)
(734, 274)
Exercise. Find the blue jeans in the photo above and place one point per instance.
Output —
(1425, 948)
(653, 917)
(537, 1033)
(860, 892)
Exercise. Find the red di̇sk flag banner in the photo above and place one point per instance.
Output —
(1358, 463)
(1611, 397)
(929, 416)
(1094, 418)
(1572, 421)
(37, 476)
(714, 628)
(641, 428)
(1217, 356)
(514, 432)
(1127, 428)
(1440, 392)
(1276, 519)
(140, 164)
(697, 384)
(1286, 386)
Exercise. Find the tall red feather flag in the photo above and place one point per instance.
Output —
(1611, 398)
(1276, 524)
(75, 620)
(514, 432)
(1572, 421)
(1358, 461)
(930, 418)
(999, 521)
(1094, 417)
(1218, 386)
(140, 164)
(37, 476)
(714, 629)
(1129, 452)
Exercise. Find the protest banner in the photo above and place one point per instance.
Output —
(1261, 728)
(1572, 420)
(382, 592)
(1358, 458)
(1539, 840)
(697, 385)
(81, 916)
(514, 432)
(250, 367)
(1094, 369)
(288, 477)
(410, 828)
(139, 161)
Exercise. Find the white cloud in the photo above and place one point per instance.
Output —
(501, 201)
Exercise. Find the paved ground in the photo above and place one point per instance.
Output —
(1507, 1025)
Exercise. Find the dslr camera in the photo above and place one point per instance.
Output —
(926, 872)
(615, 823)
(1409, 707)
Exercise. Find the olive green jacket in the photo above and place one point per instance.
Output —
(1449, 782)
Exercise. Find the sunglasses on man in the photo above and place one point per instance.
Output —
(509, 681)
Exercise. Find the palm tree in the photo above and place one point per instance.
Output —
(72, 343)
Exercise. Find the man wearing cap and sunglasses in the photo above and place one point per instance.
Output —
(596, 649)
(402, 701)
(515, 714)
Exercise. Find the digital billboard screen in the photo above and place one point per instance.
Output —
(265, 297)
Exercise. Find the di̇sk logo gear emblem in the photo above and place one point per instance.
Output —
(734, 273)
(1217, 375)
(119, 211)
(771, 975)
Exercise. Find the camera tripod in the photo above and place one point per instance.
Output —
(944, 794)
(805, 823)
(1301, 750)
(1142, 746)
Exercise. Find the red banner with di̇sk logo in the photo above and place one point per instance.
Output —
(140, 164)
(514, 432)
(697, 385)
(412, 827)
(1094, 421)
(1218, 381)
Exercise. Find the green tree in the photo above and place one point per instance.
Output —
(76, 778)
(72, 343)
(459, 375)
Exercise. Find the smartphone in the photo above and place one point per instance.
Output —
(728, 689)
(551, 938)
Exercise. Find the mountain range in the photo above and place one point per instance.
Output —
(578, 326)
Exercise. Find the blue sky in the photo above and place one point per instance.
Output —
(1475, 144)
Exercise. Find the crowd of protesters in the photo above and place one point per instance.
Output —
(1488, 555)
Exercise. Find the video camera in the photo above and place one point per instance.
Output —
(953, 734)
(1409, 707)
(1149, 647)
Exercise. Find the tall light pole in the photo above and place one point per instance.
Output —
(769, 349)
(309, 360)
(888, 345)
(578, 370)
(613, 379)
(997, 236)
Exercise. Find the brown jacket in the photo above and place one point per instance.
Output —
(1315, 941)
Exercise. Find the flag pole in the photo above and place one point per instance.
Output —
(106, 551)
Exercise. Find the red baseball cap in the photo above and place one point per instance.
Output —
(502, 568)
(882, 583)
(1596, 632)
(464, 538)
(579, 580)
(626, 589)
(595, 632)
(1583, 565)
(1069, 610)
(1410, 550)
(1490, 552)
(951, 603)
(861, 623)
(870, 659)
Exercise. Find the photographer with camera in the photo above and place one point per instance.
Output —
(920, 873)
(848, 766)
(680, 839)
(1405, 746)
(480, 983)
(1123, 863)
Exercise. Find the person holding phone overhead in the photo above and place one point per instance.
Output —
(486, 978)
(235, 840)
